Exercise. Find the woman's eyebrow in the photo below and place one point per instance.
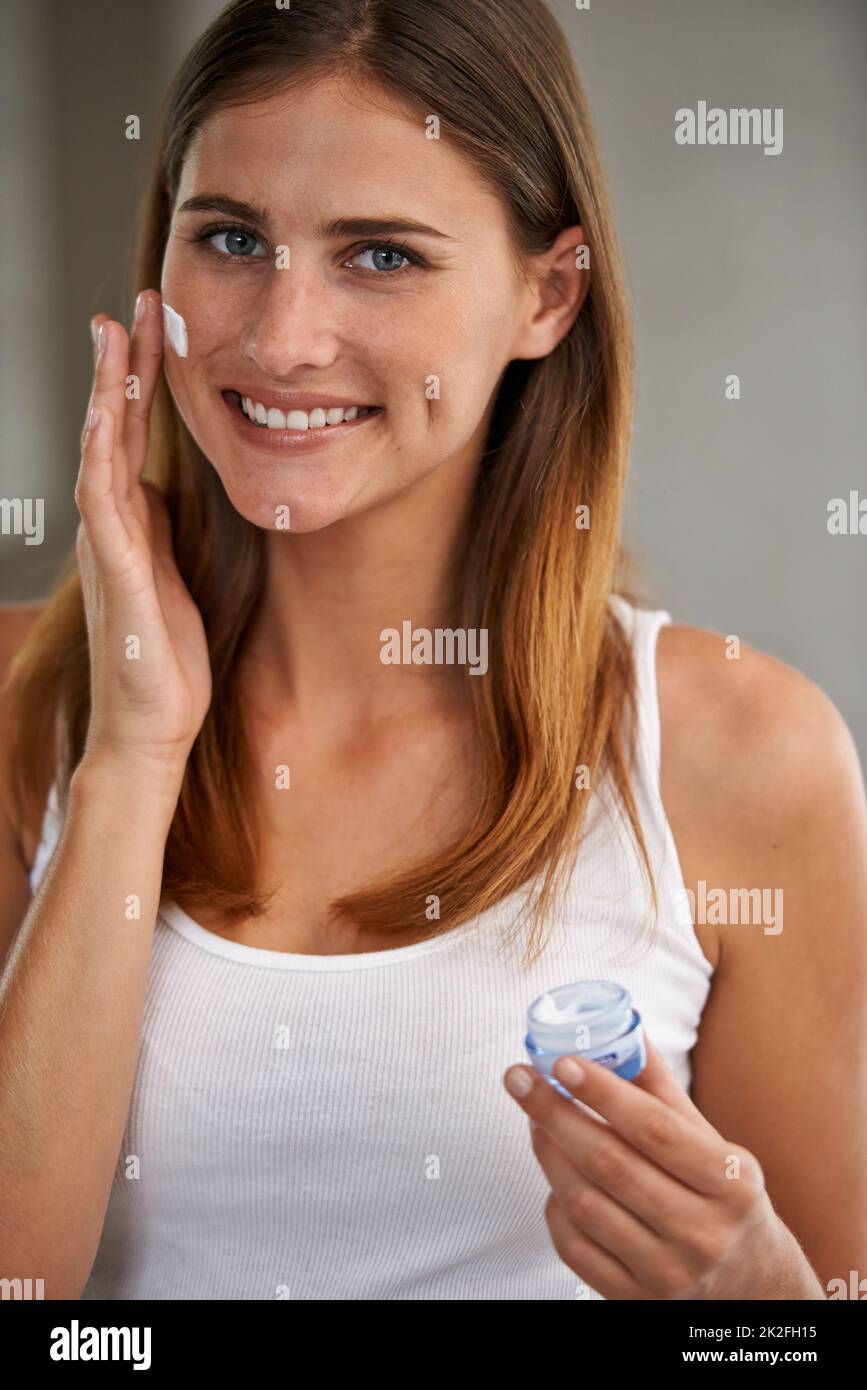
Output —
(376, 226)
(337, 227)
(218, 202)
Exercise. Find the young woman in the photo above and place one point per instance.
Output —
(290, 899)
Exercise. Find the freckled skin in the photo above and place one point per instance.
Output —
(373, 335)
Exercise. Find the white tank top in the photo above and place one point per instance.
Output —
(336, 1127)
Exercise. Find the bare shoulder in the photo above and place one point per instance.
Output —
(16, 621)
(755, 757)
(744, 735)
(17, 842)
(764, 792)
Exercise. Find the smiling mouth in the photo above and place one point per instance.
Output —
(321, 418)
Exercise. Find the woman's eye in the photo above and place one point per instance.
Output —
(383, 259)
(238, 243)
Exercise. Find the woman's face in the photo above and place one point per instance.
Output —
(291, 309)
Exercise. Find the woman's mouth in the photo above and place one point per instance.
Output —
(321, 417)
(269, 427)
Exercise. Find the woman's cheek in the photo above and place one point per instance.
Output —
(176, 368)
(175, 329)
(184, 341)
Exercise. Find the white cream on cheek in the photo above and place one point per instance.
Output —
(175, 329)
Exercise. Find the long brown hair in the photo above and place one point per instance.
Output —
(560, 691)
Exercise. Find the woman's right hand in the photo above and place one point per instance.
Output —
(150, 706)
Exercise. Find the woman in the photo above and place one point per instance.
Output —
(296, 881)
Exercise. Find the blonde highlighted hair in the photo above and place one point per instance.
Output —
(560, 690)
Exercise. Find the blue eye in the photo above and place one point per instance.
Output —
(384, 251)
(389, 260)
(235, 239)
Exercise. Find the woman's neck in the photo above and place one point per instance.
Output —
(315, 651)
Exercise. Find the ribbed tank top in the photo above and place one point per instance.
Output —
(336, 1127)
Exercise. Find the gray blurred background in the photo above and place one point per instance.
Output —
(738, 262)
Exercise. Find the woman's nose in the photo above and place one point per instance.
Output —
(293, 323)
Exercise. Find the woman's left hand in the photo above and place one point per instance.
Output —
(655, 1204)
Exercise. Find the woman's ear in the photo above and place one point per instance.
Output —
(557, 283)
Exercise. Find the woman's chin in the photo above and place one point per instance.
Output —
(289, 514)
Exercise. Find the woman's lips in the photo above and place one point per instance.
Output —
(316, 437)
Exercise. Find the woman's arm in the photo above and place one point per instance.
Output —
(73, 989)
(763, 790)
(76, 980)
(71, 1005)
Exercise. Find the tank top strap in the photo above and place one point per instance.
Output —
(642, 626)
(52, 822)
(53, 816)
(642, 629)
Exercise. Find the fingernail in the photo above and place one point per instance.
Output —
(93, 418)
(93, 332)
(139, 307)
(100, 339)
(571, 1071)
(519, 1081)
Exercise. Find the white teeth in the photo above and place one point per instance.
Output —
(315, 419)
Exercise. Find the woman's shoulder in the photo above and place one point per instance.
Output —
(735, 717)
(759, 769)
(16, 621)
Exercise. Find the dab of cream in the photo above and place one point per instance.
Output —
(176, 330)
(548, 1011)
